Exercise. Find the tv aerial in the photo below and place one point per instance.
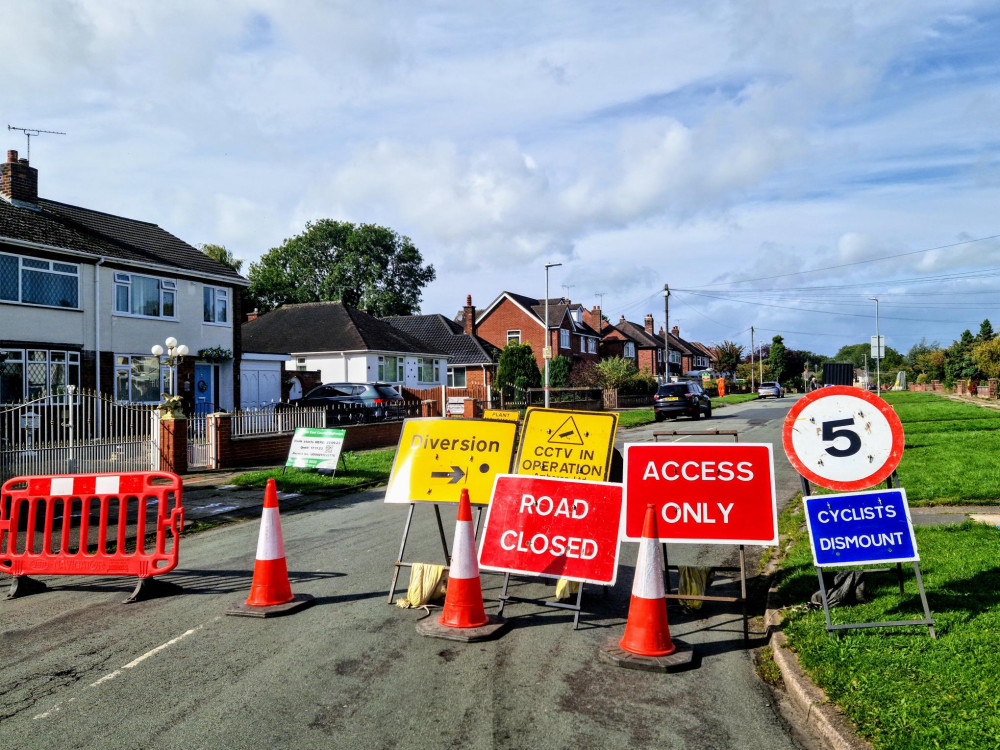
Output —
(28, 132)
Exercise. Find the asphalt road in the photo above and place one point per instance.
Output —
(78, 669)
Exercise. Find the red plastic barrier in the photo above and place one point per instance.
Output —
(73, 542)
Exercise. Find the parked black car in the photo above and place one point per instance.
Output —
(674, 399)
(356, 402)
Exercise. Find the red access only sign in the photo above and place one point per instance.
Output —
(713, 493)
(557, 528)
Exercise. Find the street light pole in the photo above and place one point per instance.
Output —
(547, 349)
(878, 351)
(666, 333)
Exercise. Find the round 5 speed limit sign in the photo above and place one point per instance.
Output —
(843, 438)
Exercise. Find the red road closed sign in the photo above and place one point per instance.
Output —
(557, 528)
(712, 493)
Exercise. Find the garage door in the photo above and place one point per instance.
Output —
(260, 383)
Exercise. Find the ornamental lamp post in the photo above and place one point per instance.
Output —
(174, 352)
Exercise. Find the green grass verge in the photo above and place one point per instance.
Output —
(902, 689)
(362, 468)
(733, 398)
(949, 452)
(635, 418)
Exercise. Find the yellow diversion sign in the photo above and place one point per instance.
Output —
(567, 444)
(437, 458)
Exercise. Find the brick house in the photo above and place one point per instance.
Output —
(515, 317)
(85, 295)
(472, 360)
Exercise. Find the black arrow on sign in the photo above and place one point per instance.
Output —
(456, 473)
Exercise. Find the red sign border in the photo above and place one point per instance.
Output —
(532, 573)
(674, 540)
(880, 474)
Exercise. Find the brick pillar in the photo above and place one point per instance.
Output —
(993, 387)
(473, 409)
(429, 409)
(220, 435)
(173, 445)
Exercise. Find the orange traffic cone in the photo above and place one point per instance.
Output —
(271, 591)
(647, 643)
(646, 631)
(464, 618)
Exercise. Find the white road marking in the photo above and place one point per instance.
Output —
(134, 663)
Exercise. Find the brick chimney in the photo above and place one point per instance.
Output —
(675, 332)
(253, 315)
(18, 181)
(648, 324)
(469, 316)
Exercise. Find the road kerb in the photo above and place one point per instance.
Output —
(825, 718)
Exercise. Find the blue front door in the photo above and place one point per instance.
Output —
(204, 389)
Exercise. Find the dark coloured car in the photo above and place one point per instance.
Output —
(677, 399)
(356, 402)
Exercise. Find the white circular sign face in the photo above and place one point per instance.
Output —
(843, 438)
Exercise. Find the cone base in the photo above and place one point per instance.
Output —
(432, 628)
(242, 609)
(682, 657)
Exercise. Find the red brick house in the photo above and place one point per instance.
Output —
(515, 317)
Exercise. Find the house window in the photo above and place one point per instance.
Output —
(425, 370)
(629, 349)
(216, 300)
(390, 369)
(659, 356)
(146, 296)
(514, 336)
(36, 372)
(300, 364)
(39, 282)
(456, 377)
(675, 357)
(563, 338)
(592, 346)
(139, 379)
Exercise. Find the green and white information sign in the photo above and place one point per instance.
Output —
(315, 448)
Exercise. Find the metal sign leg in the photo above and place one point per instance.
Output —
(444, 541)
(503, 594)
(826, 604)
(399, 557)
(923, 600)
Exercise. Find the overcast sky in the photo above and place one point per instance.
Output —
(719, 147)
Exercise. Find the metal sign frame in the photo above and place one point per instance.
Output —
(892, 482)
(742, 569)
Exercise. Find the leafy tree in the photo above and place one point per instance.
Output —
(855, 354)
(986, 355)
(363, 265)
(985, 332)
(219, 253)
(616, 371)
(777, 359)
(517, 371)
(559, 368)
(958, 359)
(926, 359)
(728, 356)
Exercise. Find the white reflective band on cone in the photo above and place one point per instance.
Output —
(463, 557)
(648, 583)
(270, 545)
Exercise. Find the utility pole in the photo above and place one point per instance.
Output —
(751, 358)
(666, 333)
(760, 362)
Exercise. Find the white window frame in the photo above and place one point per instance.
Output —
(452, 372)
(630, 350)
(217, 292)
(591, 346)
(564, 338)
(49, 269)
(514, 335)
(69, 360)
(165, 287)
(163, 370)
(394, 362)
(426, 367)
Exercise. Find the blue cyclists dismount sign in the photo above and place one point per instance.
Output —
(860, 528)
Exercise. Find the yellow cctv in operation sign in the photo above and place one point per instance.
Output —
(567, 444)
(437, 458)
